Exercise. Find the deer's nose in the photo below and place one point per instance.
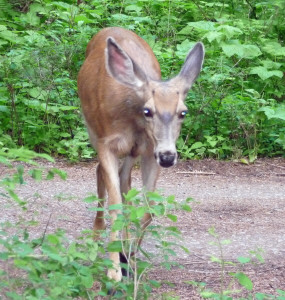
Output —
(167, 159)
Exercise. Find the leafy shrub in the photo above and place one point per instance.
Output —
(236, 107)
(51, 266)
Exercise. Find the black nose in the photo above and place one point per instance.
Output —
(166, 159)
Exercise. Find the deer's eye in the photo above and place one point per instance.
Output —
(147, 113)
(183, 114)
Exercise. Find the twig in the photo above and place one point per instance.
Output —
(195, 173)
(44, 235)
(275, 165)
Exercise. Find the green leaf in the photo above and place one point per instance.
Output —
(30, 18)
(281, 292)
(140, 211)
(278, 113)
(244, 161)
(232, 49)
(4, 109)
(25, 155)
(270, 64)
(170, 199)
(133, 7)
(91, 199)
(244, 280)
(84, 19)
(37, 93)
(158, 210)
(186, 250)
(208, 294)
(10, 36)
(36, 174)
(200, 25)
(197, 145)
(241, 50)
(155, 283)
(115, 206)
(264, 74)
(14, 295)
(16, 198)
(23, 249)
(51, 252)
(60, 173)
(214, 36)
(87, 281)
(130, 196)
(186, 207)
(52, 238)
(226, 242)
(250, 51)
(67, 108)
(243, 260)
(20, 173)
(173, 229)
(229, 31)
(274, 48)
(154, 196)
(96, 208)
(183, 48)
(115, 246)
(215, 259)
(173, 218)
(3, 28)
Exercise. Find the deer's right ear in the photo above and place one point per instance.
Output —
(121, 67)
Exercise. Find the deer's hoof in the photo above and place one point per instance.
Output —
(115, 274)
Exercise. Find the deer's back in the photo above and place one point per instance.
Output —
(110, 108)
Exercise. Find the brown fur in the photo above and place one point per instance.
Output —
(130, 112)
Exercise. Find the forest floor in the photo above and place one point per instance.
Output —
(244, 203)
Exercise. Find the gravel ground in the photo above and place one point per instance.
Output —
(245, 204)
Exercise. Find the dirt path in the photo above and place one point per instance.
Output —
(245, 204)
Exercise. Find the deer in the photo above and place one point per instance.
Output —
(131, 113)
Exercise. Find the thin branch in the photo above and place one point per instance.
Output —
(195, 173)
(275, 165)
(47, 224)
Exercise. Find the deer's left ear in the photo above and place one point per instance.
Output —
(192, 65)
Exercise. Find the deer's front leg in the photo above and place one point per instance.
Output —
(110, 171)
(150, 172)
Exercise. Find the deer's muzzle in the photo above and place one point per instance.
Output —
(166, 159)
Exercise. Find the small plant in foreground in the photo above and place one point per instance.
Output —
(226, 292)
(51, 266)
(164, 240)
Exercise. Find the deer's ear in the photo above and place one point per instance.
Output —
(121, 67)
(192, 65)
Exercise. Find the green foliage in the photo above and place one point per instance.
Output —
(51, 266)
(242, 75)
(166, 239)
(226, 291)
(236, 107)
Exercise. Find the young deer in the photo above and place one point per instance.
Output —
(130, 112)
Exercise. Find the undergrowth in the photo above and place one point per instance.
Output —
(51, 265)
(236, 108)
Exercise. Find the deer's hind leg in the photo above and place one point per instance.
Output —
(99, 222)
